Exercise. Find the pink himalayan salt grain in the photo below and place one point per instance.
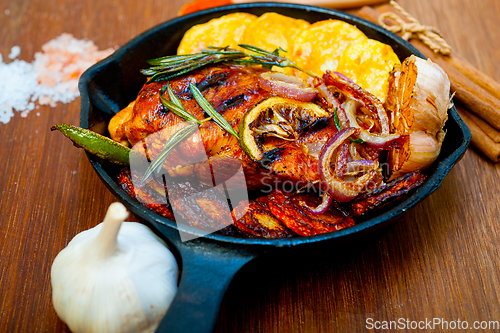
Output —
(61, 64)
(52, 77)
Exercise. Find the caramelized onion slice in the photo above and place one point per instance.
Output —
(344, 77)
(287, 86)
(326, 201)
(360, 166)
(340, 190)
(382, 141)
(352, 91)
(333, 103)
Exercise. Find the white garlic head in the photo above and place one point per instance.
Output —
(424, 149)
(431, 97)
(418, 102)
(116, 277)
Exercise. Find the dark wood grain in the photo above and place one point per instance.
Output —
(440, 260)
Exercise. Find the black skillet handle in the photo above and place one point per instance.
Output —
(207, 270)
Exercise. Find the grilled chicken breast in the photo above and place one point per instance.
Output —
(231, 90)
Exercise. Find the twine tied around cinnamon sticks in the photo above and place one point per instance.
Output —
(474, 90)
(429, 35)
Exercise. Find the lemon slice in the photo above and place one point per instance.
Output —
(275, 120)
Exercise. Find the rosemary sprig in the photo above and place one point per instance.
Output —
(177, 67)
(208, 108)
(166, 68)
(175, 105)
(336, 119)
(171, 143)
(174, 60)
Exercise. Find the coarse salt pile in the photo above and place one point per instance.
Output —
(18, 82)
(52, 77)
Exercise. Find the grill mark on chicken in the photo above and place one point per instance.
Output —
(215, 80)
(211, 81)
(232, 102)
(271, 156)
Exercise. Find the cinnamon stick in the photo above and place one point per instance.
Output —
(486, 128)
(479, 139)
(472, 73)
(471, 95)
(475, 75)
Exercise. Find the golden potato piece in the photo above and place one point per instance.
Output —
(224, 31)
(272, 30)
(326, 45)
(320, 47)
(369, 63)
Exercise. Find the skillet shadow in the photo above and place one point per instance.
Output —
(332, 286)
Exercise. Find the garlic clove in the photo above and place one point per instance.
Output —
(424, 149)
(116, 277)
(418, 103)
(431, 96)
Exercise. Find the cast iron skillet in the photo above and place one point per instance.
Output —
(209, 263)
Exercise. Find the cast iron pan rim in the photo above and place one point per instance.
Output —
(430, 185)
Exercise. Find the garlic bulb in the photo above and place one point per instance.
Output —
(431, 97)
(418, 103)
(424, 149)
(116, 277)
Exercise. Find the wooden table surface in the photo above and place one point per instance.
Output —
(439, 261)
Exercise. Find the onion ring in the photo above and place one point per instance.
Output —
(360, 165)
(355, 92)
(327, 200)
(344, 77)
(340, 190)
(341, 160)
(381, 141)
(287, 86)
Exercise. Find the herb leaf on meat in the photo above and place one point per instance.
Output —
(175, 105)
(183, 133)
(208, 108)
(168, 67)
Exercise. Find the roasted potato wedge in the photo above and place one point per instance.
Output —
(369, 64)
(224, 31)
(292, 211)
(385, 194)
(320, 47)
(271, 31)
